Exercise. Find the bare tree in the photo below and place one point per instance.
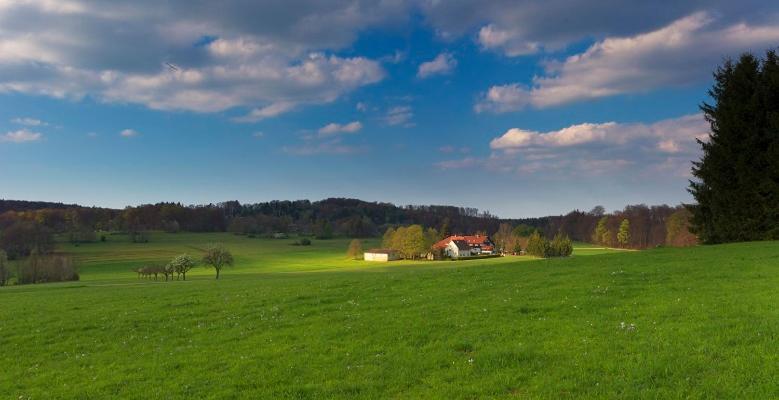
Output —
(217, 257)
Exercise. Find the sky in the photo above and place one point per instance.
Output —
(521, 108)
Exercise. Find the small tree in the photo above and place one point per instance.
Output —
(5, 272)
(504, 237)
(181, 264)
(600, 230)
(412, 241)
(217, 257)
(678, 229)
(355, 249)
(389, 236)
(623, 236)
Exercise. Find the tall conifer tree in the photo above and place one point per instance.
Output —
(737, 178)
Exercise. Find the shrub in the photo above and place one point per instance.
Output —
(42, 268)
(561, 246)
(302, 242)
(537, 245)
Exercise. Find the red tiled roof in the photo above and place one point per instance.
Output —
(472, 240)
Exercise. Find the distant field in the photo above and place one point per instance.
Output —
(664, 323)
(117, 257)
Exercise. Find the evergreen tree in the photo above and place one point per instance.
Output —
(736, 183)
(623, 236)
(538, 246)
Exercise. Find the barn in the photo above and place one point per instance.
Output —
(381, 255)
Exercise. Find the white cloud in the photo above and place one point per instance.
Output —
(678, 54)
(128, 133)
(21, 136)
(335, 129)
(610, 148)
(258, 135)
(29, 122)
(268, 111)
(443, 64)
(400, 115)
(361, 107)
(510, 41)
(267, 58)
(519, 28)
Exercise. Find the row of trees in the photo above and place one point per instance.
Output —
(216, 256)
(412, 241)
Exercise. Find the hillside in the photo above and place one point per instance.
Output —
(664, 323)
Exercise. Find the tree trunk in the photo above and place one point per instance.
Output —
(217, 273)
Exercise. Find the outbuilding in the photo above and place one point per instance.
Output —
(381, 255)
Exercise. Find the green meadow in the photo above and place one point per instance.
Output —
(304, 322)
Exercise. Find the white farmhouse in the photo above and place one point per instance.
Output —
(457, 249)
(381, 255)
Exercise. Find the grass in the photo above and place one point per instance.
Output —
(293, 322)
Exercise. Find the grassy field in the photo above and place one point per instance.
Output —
(303, 322)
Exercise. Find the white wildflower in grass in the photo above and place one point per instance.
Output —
(470, 361)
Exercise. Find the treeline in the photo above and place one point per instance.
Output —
(330, 217)
(648, 226)
(636, 226)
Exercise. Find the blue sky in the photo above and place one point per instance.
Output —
(519, 108)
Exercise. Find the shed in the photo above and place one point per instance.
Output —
(381, 255)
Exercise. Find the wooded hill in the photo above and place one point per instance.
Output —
(330, 217)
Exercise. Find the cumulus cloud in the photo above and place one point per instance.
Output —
(336, 129)
(517, 29)
(682, 52)
(128, 133)
(400, 115)
(269, 58)
(26, 121)
(666, 146)
(21, 136)
(442, 64)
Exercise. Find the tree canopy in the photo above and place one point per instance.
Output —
(736, 181)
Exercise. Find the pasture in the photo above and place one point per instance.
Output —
(304, 322)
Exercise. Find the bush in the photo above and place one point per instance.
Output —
(41, 269)
(561, 246)
(537, 245)
(302, 242)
